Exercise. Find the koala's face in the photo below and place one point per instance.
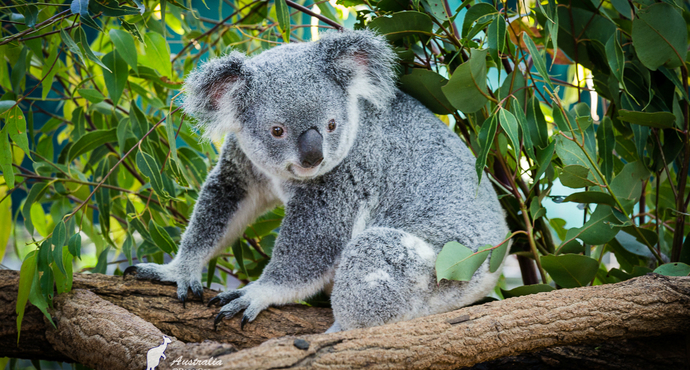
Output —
(299, 125)
(293, 108)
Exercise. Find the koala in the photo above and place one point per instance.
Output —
(372, 182)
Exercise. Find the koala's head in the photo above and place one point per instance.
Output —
(293, 108)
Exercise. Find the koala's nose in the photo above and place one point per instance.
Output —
(309, 145)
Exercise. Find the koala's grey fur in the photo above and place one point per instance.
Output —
(394, 186)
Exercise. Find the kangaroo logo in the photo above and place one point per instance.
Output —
(153, 356)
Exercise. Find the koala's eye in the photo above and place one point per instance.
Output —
(331, 125)
(277, 131)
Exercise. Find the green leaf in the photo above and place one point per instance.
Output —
(673, 269)
(651, 119)
(262, 227)
(91, 141)
(63, 283)
(656, 36)
(36, 296)
(630, 243)
(486, 139)
(158, 54)
(80, 7)
(80, 38)
(27, 274)
(92, 95)
(124, 44)
(161, 238)
(116, 80)
(283, 15)
(479, 12)
(425, 86)
(576, 176)
(539, 61)
(150, 168)
(58, 240)
(544, 157)
(570, 270)
(50, 69)
(601, 227)
(457, 262)
(511, 127)
(102, 264)
(127, 248)
(628, 183)
(211, 271)
(16, 127)
(497, 257)
(170, 131)
(526, 290)
(6, 159)
(401, 24)
(571, 154)
(591, 197)
(239, 255)
(35, 193)
(616, 58)
(19, 71)
(131, 27)
(606, 143)
(69, 42)
(466, 89)
(6, 222)
(74, 245)
(536, 124)
(497, 37)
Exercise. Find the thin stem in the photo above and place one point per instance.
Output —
(318, 16)
(37, 27)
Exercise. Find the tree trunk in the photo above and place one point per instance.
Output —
(108, 323)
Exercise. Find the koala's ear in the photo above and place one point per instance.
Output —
(216, 93)
(361, 62)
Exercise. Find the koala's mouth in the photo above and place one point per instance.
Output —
(300, 171)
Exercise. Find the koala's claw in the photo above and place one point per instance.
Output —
(217, 320)
(131, 270)
(225, 297)
(245, 319)
(212, 301)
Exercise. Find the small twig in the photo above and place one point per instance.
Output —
(48, 21)
(318, 16)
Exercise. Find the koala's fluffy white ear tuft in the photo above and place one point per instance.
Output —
(215, 94)
(362, 63)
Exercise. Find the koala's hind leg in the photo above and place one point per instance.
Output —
(385, 275)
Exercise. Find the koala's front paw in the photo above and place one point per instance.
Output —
(184, 279)
(251, 299)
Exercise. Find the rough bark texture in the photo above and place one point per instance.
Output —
(113, 324)
(650, 353)
(157, 304)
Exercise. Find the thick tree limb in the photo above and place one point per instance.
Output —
(157, 304)
(92, 331)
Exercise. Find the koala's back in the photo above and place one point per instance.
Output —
(421, 178)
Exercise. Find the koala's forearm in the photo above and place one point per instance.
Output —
(229, 200)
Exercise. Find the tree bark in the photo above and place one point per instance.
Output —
(107, 323)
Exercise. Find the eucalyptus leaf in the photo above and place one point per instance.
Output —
(401, 24)
(466, 89)
(457, 262)
(656, 38)
(570, 270)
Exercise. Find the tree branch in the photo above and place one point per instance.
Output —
(105, 317)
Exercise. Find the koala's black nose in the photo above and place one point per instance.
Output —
(309, 145)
